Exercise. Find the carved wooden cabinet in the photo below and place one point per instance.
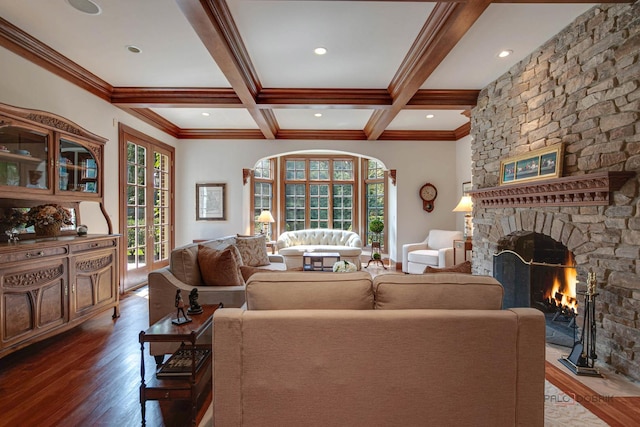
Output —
(47, 287)
(43, 155)
(93, 270)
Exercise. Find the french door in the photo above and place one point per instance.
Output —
(146, 204)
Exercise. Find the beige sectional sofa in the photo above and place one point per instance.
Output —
(183, 273)
(340, 349)
(293, 244)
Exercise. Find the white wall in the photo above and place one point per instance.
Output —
(23, 84)
(443, 164)
(202, 161)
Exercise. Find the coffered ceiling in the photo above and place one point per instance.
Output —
(250, 64)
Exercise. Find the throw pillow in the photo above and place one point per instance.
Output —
(463, 267)
(253, 250)
(219, 267)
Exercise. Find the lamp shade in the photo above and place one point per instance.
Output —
(265, 216)
(465, 205)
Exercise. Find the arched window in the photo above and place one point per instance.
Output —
(319, 191)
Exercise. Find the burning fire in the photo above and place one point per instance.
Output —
(563, 292)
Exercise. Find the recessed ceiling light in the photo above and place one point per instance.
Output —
(206, 114)
(85, 6)
(505, 53)
(133, 49)
(429, 116)
(320, 51)
(318, 114)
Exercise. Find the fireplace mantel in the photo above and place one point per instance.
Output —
(592, 189)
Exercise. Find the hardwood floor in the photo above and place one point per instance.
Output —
(89, 376)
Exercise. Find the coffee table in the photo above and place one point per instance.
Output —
(319, 261)
(187, 385)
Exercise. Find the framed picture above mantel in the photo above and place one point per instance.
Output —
(544, 163)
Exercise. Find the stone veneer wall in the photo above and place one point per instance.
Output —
(581, 88)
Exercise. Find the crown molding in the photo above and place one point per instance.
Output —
(23, 44)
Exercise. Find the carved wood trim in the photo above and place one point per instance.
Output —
(50, 121)
(33, 278)
(592, 189)
(94, 264)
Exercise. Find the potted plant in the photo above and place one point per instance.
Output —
(376, 226)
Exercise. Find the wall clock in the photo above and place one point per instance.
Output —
(428, 194)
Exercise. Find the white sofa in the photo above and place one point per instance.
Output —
(435, 251)
(293, 244)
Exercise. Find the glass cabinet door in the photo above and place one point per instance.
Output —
(77, 168)
(23, 157)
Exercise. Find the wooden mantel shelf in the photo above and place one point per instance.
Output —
(592, 189)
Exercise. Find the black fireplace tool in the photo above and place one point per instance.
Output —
(583, 354)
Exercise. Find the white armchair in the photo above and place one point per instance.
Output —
(436, 250)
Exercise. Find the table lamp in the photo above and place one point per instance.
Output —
(466, 205)
(265, 218)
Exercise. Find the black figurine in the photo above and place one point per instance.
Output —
(194, 307)
(180, 309)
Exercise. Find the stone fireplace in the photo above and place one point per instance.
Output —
(581, 89)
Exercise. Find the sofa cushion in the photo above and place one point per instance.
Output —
(220, 267)
(455, 291)
(309, 290)
(253, 250)
(183, 262)
(424, 256)
(463, 267)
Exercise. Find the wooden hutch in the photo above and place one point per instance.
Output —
(49, 285)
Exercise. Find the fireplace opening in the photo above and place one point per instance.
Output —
(537, 271)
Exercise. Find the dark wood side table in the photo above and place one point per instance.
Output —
(186, 387)
(461, 246)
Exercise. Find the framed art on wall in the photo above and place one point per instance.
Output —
(543, 163)
(210, 202)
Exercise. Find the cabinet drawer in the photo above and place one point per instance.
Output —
(32, 254)
(93, 245)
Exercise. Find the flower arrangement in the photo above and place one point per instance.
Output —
(44, 215)
(11, 218)
(344, 267)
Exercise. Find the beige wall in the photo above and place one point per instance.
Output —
(26, 85)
